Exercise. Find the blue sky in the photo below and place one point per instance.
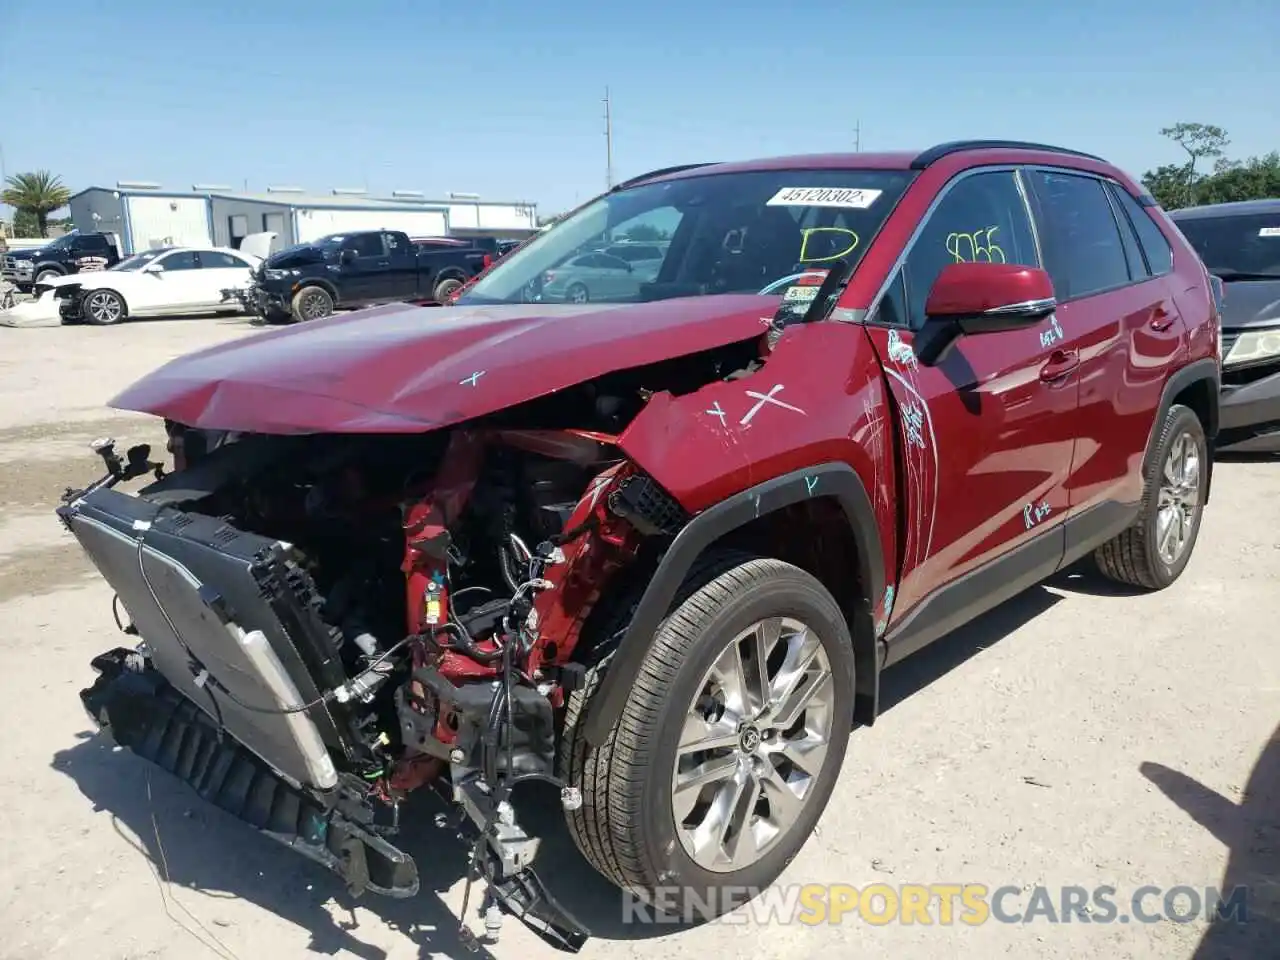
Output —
(504, 98)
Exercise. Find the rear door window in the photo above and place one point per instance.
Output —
(1155, 246)
(1084, 248)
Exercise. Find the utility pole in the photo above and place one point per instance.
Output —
(857, 136)
(608, 141)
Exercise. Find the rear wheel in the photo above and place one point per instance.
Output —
(577, 293)
(1153, 552)
(312, 303)
(102, 308)
(729, 744)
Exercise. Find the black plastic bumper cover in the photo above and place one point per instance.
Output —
(136, 706)
(1251, 415)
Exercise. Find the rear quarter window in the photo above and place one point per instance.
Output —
(1155, 246)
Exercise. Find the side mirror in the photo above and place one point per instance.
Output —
(347, 257)
(154, 268)
(975, 298)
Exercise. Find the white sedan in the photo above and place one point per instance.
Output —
(166, 281)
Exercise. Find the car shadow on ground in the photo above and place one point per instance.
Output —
(196, 836)
(1250, 830)
(210, 856)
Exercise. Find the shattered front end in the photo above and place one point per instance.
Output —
(326, 623)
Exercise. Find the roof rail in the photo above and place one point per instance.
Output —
(936, 153)
(662, 172)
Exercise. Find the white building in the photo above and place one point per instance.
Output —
(145, 215)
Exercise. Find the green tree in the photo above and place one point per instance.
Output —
(24, 224)
(1254, 179)
(1201, 141)
(39, 194)
(1168, 184)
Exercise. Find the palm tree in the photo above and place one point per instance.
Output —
(39, 194)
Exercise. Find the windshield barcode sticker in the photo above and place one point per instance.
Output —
(1269, 232)
(845, 197)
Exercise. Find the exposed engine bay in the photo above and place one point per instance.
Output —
(367, 615)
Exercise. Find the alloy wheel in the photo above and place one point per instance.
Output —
(314, 305)
(1179, 500)
(104, 307)
(752, 744)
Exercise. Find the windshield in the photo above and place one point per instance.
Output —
(138, 260)
(721, 233)
(1247, 246)
(63, 242)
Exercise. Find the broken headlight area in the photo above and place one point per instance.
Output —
(70, 299)
(328, 623)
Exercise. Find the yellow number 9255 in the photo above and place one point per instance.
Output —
(977, 247)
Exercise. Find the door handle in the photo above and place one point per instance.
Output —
(1161, 319)
(1059, 364)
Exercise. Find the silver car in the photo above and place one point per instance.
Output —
(597, 275)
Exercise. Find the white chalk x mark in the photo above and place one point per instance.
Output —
(717, 411)
(810, 484)
(471, 380)
(767, 398)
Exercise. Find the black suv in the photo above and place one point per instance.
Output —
(1240, 244)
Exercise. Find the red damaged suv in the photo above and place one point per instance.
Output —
(655, 547)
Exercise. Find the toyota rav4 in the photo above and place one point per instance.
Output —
(657, 547)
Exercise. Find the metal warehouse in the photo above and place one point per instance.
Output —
(145, 215)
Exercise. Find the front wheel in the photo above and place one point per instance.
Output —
(102, 308)
(44, 276)
(577, 293)
(445, 289)
(729, 744)
(1153, 552)
(312, 303)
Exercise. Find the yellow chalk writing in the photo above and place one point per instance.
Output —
(976, 247)
(808, 234)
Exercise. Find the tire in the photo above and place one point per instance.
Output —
(44, 276)
(312, 303)
(626, 827)
(1174, 490)
(103, 308)
(577, 293)
(445, 288)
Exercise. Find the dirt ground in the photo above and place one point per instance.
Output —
(1075, 736)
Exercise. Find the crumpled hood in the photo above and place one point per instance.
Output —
(295, 257)
(405, 369)
(1250, 303)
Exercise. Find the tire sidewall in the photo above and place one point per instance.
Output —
(573, 287)
(788, 596)
(1180, 420)
(46, 274)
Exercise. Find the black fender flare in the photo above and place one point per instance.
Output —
(837, 480)
(54, 265)
(328, 286)
(1205, 369)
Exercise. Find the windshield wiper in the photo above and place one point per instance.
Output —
(1227, 274)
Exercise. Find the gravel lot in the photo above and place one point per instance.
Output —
(1074, 736)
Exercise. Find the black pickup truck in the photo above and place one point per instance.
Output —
(74, 252)
(360, 269)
